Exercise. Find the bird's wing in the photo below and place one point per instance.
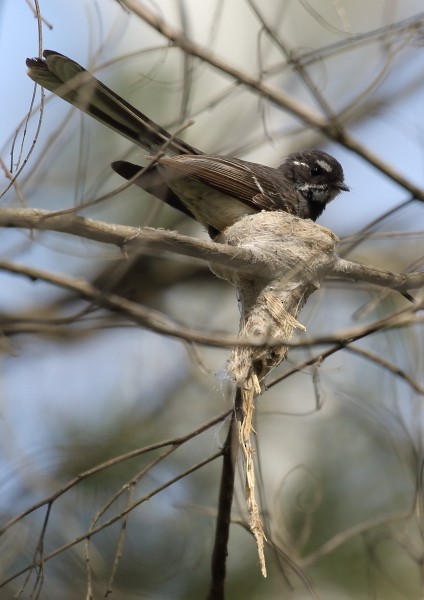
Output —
(256, 185)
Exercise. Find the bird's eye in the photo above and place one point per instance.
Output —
(317, 170)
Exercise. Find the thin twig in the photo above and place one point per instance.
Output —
(116, 517)
(177, 441)
(389, 366)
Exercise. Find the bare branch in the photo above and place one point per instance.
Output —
(292, 105)
(400, 282)
(385, 364)
(117, 517)
(175, 442)
(128, 239)
(226, 492)
(243, 258)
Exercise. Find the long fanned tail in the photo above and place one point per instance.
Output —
(67, 79)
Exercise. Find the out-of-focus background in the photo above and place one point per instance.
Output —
(340, 444)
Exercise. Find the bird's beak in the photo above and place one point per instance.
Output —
(343, 187)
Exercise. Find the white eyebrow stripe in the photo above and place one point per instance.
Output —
(299, 163)
(324, 165)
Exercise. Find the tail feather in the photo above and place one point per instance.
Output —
(67, 79)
